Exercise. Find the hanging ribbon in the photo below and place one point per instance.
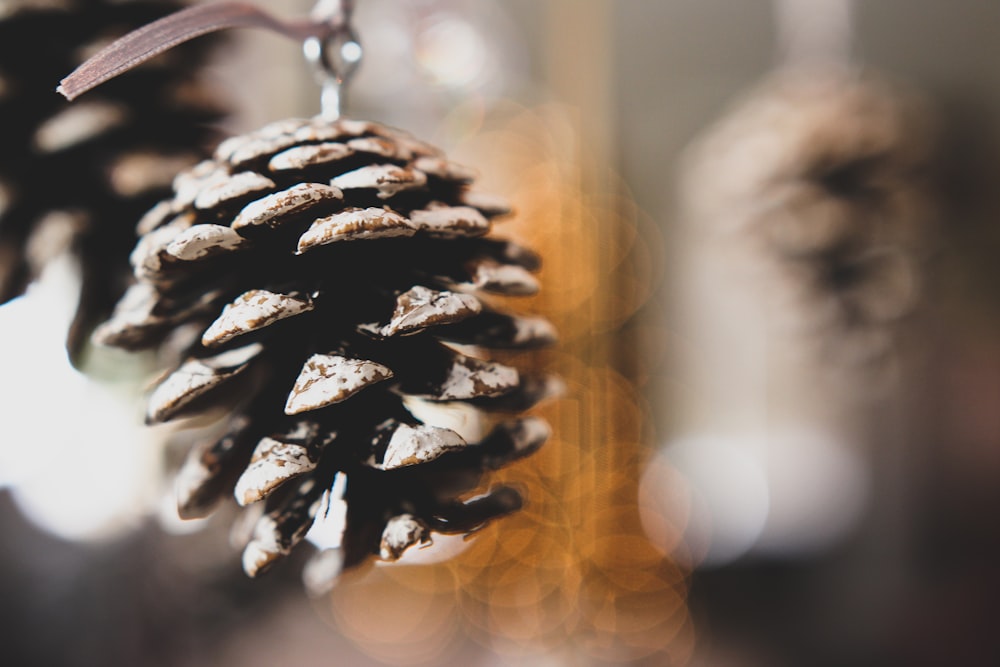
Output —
(328, 19)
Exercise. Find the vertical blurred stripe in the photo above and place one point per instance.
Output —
(572, 576)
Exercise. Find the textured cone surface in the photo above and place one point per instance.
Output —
(330, 269)
(97, 163)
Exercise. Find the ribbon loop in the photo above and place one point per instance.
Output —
(150, 40)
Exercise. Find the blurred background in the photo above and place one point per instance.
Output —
(769, 230)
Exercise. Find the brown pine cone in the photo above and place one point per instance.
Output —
(328, 284)
(81, 174)
(828, 171)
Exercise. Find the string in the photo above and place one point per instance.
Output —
(814, 32)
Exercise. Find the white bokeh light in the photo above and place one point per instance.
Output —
(452, 53)
(819, 489)
(788, 493)
(729, 498)
(78, 461)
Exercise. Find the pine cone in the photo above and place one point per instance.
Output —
(350, 266)
(828, 172)
(81, 174)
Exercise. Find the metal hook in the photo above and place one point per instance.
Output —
(334, 56)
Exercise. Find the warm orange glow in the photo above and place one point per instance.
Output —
(573, 574)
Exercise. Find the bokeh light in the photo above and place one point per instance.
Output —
(729, 497)
(453, 54)
(93, 472)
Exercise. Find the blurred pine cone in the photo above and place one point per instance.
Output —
(80, 175)
(828, 172)
(319, 280)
